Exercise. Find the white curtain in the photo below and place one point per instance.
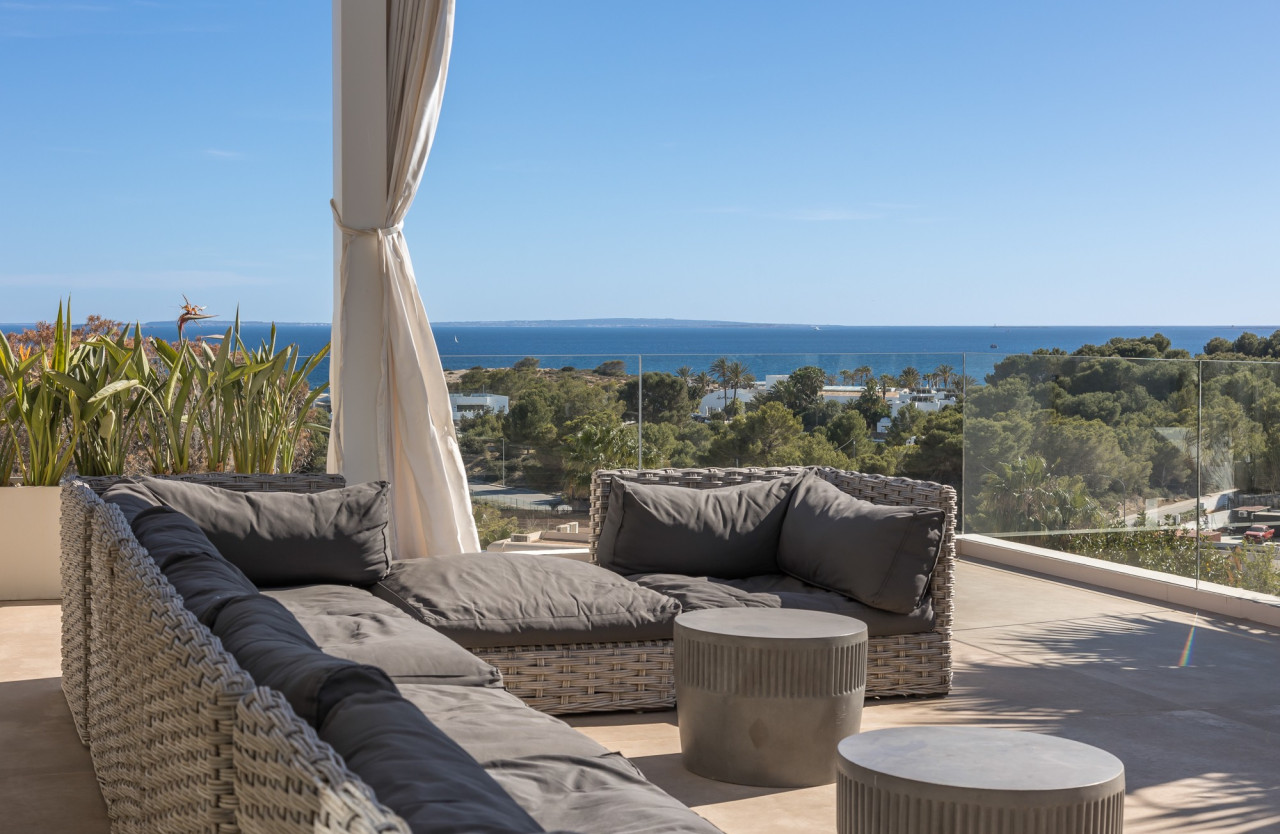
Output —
(417, 449)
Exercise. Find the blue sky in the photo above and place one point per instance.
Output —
(830, 162)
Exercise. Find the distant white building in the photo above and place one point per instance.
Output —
(473, 405)
(715, 401)
(923, 398)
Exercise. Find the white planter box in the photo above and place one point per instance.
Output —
(30, 544)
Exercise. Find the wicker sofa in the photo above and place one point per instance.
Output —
(901, 664)
(183, 739)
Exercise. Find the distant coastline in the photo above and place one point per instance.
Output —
(221, 323)
(667, 345)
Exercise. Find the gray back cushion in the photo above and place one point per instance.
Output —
(271, 645)
(417, 771)
(729, 532)
(131, 497)
(337, 536)
(881, 556)
(193, 566)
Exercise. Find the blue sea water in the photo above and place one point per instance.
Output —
(764, 349)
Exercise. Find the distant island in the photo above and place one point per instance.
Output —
(612, 322)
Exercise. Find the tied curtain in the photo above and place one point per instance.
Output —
(417, 448)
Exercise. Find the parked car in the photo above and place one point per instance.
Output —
(1259, 533)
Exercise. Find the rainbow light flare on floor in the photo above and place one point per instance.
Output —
(1185, 660)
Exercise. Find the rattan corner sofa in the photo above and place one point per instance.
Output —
(184, 739)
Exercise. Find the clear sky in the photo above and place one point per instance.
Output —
(833, 162)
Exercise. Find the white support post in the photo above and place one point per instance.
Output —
(360, 191)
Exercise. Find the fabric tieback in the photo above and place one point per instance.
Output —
(381, 233)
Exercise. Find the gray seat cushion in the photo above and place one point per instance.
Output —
(561, 777)
(417, 771)
(286, 538)
(781, 591)
(205, 581)
(493, 725)
(595, 794)
(270, 644)
(354, 624)
(882, 556)
(730, 532)
(523, 599)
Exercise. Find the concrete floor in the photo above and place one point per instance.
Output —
(1200, 738)
(46, 776)
(1191, 705)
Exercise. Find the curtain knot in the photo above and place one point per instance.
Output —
(379, 232)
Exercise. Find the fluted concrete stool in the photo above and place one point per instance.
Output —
(764, 695)
(973, 780)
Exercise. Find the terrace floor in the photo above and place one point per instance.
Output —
(1190, 704)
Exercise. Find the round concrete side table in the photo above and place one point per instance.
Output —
(764, 695)
(974, 780)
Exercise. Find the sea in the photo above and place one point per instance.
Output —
(764, 349)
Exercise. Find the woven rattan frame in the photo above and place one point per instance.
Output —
(156, 694)
(588, 677)
(75, 528)
(288, 781)
(906, 664)
(161, 698)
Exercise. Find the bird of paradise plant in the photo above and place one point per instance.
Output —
(190, 313)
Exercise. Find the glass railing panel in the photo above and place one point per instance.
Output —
(532, 429)
(1090, 455)
(893, 414)
(1239, 440)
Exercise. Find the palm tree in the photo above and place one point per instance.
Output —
(910, 377)
(684, 372)
(737, 376)
(720, 370)
(944, 373)
(887, 381)
(1025, 496)
(703, 382)
(863, 374)
(848, 377)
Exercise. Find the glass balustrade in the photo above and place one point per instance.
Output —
(1158, 464)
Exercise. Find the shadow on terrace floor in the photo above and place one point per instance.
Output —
(1190, 705)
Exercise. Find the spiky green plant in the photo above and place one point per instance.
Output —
(170, 412)
(252, 403)
(269, 404)
(36, 410)
(107, 387)
(8, 448)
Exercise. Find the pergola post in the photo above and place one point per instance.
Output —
(360, 191)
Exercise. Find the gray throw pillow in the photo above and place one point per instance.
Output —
(881, 556)
(728, 532)
(338, 536)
